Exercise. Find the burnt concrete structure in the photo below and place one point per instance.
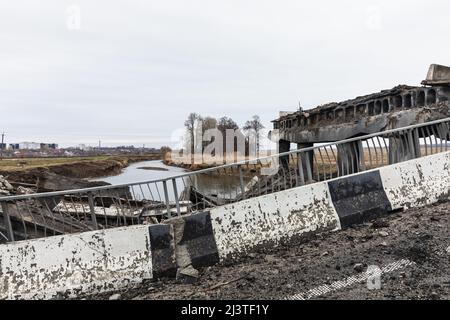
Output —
(389, 109)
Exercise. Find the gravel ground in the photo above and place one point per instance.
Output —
(418, 239)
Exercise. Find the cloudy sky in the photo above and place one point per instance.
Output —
(129, 72)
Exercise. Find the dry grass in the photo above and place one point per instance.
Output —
(30, 163)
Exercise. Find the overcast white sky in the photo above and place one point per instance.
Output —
(133, 70)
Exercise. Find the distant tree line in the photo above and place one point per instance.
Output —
(252, 129)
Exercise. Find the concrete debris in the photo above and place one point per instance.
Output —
(358, 267)
(188, 275)
(270, 258)
(380, 224)
(23, 190)
(5, 186)
(383, 233)
(116, 296)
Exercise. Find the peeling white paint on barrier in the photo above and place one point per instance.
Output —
(88, 262)
(270, 218)
(417, 182)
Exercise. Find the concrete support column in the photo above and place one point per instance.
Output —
(404, 146)
(350, 158)
(284, 146)
(305, 163)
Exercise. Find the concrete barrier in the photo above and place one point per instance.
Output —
(88, 263)
(270, 219)
(417, 182)
(359, 197)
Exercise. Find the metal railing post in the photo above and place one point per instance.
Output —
(166, 196)
(175, 194)
(7, 221)
(300, 169)
(241, 180)
(308, 166)
(92, 209)
(411, 144)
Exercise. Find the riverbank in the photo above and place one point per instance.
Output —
(248, 170)
(47, 174)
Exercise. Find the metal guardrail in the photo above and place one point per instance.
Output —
(71, 211)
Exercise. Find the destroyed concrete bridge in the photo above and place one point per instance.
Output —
(389, 109)
(105, 238)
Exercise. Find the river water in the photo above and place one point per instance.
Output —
(132, 173)
(205, 183)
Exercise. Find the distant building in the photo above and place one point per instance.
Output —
(29, 146)
(45, 146)
(3, 146)
(84, 147)
(33, 146)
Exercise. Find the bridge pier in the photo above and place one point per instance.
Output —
(404, 146)
(350, 158)
(305, 162)
(284, 146)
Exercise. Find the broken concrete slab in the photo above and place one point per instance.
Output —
(187, 275)
(437, 74)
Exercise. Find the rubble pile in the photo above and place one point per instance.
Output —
(6, 189)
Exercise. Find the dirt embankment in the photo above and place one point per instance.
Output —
(247, 169)
(188, 166)
(71, 174)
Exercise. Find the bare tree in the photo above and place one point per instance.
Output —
(224, 124)
(255, 125)
(190, 126)
(207, 124)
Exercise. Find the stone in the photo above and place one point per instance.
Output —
(187, 275)
(325, 253)
(358, 267)
(383, 233)
(8, 186)
(380, 224)
(115, 296)
(384, 244)
(434, 295)
(270, 258)
(23, 190)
